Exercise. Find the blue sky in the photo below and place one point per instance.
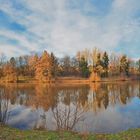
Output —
(67, 26)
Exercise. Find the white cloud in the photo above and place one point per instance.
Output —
(64, 30)
(25, 46)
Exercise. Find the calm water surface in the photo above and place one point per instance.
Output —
(98, 108)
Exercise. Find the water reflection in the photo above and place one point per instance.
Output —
(95, 108)
(4, 105)
(67, 117)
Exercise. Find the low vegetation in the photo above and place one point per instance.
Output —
(7, 133)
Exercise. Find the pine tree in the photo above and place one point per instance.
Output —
(98, 62)
(84, 67)
(124, 65)
(105, 63)
(13, 62)
(54, 65)
(138, 64)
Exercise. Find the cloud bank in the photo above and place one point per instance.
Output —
(66, 26)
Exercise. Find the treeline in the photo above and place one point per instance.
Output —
(47, 66)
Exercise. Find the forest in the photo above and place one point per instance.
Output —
(85, 64)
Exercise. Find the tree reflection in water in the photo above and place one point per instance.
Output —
(67, 107)
(4, 107)
(68, 116)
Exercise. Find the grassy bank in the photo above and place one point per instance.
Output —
(7, 133)
(69, 80)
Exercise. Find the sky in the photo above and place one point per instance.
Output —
(67, 26)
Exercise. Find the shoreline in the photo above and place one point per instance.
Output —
(9, 133)
(71, 80)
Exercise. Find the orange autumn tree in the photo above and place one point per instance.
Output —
(43, 68)
(33, 60)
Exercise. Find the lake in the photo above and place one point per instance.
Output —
(99, 107)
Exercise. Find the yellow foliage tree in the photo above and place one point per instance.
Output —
(43, 68)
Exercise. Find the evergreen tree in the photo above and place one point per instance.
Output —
(124, 65)
(13, 62)
(84, 67)
(54, 65)
(105, 63)
(98, 62)
(138, 64)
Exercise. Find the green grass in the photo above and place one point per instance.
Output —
(7, 133)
